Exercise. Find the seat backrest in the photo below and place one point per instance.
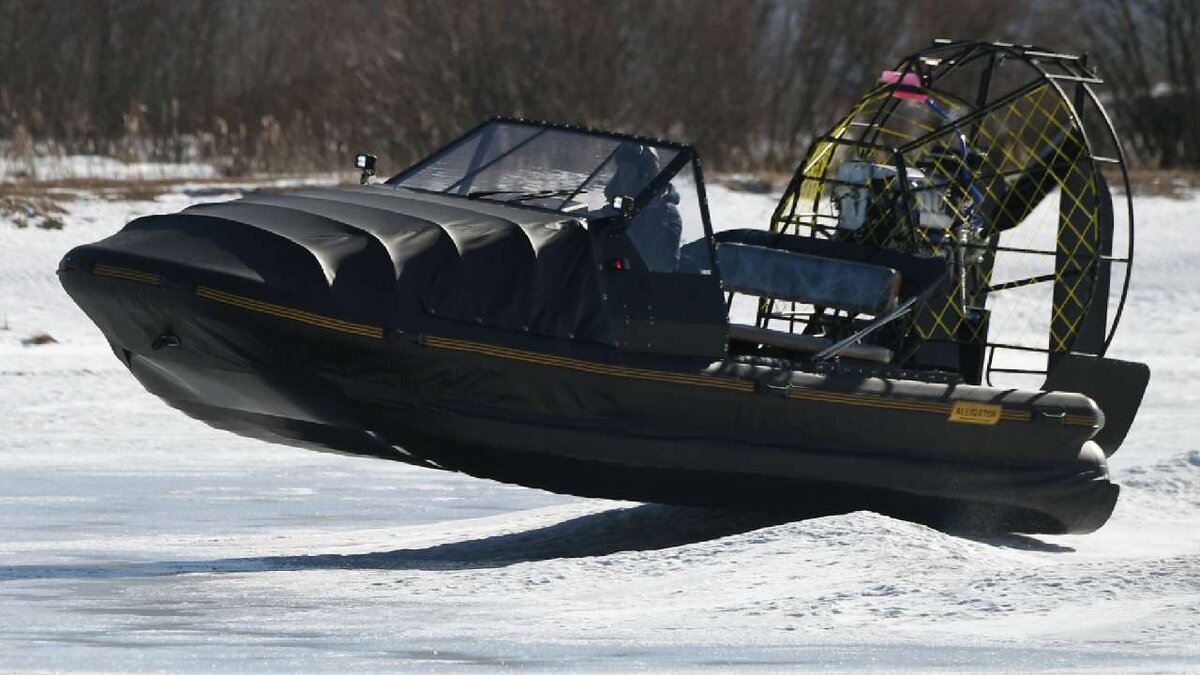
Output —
(856, 287)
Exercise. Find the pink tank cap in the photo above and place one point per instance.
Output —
(908, 85)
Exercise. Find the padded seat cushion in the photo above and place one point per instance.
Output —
(856, 287)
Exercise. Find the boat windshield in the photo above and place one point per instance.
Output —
(567, 170)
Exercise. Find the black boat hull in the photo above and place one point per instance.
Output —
(598, 421)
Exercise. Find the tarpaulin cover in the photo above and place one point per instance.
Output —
(380, 255)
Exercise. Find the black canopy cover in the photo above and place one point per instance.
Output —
(381, 255)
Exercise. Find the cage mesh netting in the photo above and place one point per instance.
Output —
(997, 158)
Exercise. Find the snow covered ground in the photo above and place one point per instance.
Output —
(98, 167)
(133, 538)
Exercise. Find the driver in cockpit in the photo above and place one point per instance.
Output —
(657, 228)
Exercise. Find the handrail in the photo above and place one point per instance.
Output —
(875, 325)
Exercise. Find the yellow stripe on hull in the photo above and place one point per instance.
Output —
(867, 400)
(375, 332)
(290, 314)
(125, 273)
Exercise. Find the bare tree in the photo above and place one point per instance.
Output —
(270, 85)
(1152, 57)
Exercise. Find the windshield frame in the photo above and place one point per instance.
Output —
(685, 153)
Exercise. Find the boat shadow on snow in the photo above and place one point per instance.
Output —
(648, 527)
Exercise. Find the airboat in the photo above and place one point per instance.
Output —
(920, 330)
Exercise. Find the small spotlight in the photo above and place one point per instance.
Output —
(366, 164)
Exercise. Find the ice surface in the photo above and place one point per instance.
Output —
(133, 538)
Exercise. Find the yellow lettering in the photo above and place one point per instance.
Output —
(968, 412)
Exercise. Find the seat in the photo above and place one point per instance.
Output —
(824, 273)
(847, 285)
